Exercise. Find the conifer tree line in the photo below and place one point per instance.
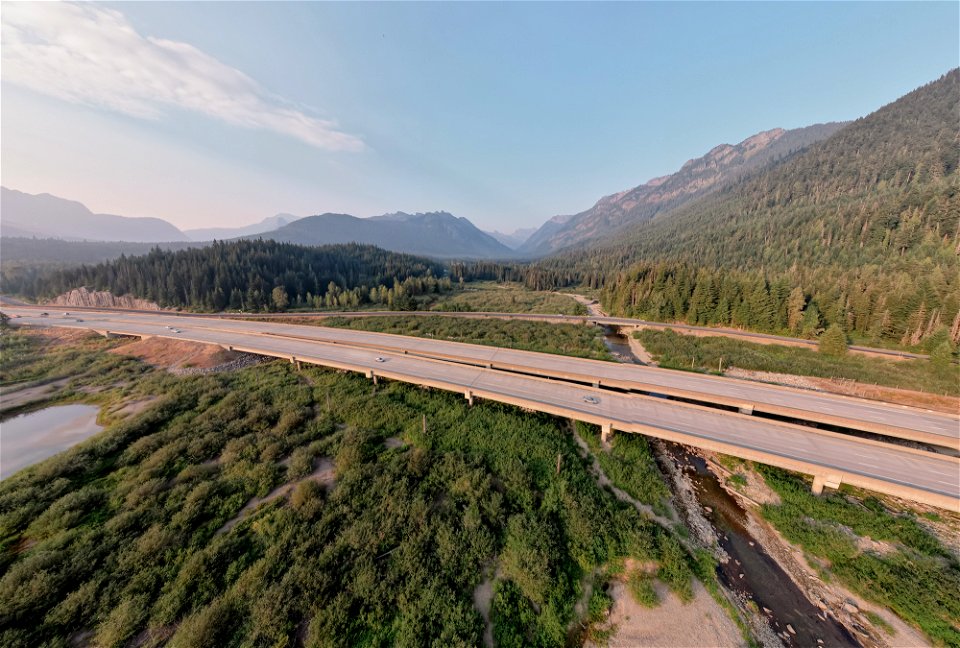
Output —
(859, 230)
(869, 303)
(252, 275)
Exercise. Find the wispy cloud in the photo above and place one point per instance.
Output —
(93, 56)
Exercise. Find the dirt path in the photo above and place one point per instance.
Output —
(644, 509)
(482, 601)
(323, 474)
(639, 351)
(593, 306)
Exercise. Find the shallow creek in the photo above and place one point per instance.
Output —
(751, 573)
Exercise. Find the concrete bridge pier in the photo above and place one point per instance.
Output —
(294, 361)
(747, 409)
(469, 396)
(606, 433)
(825, 481)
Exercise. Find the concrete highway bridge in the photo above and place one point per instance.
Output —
(718, 414)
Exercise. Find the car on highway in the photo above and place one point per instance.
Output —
(66, 314)
(380, 359)
(591, 400)
(44, 314)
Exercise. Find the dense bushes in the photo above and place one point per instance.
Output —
(918, 579)
(567, 339)
(677, 351)
(127, 534)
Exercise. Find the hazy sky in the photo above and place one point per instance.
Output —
(508, 114)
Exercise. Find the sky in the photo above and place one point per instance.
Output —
(222, 114)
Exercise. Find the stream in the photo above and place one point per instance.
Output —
(750, 572)
(617, 345)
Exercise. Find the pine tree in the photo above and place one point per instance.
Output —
(833, 342)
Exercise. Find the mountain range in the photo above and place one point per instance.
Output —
(514, 239)
(720, 167)
(436, 234)
(224, 233)
(47, 216)
(705, 194)
(43, 216)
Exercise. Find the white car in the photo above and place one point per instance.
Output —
(591, 400)
(380, 359)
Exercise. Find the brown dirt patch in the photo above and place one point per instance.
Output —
(176, 354)
(16, 398)
(948, 404)
(843, 387)
(699, 623)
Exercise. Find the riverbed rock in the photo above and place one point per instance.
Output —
(790, 629)
(850, 608)
(84, 297)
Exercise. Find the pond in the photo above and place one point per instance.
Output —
(32, 437)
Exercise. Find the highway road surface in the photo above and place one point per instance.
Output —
(887, 419)
(602, 320)
(831, 458)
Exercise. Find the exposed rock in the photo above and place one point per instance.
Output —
(245, 360)
(87, 298)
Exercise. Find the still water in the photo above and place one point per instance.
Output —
(32, 437)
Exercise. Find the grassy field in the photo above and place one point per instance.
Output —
(506, 298)
(127, 536)
(566, 339)
(704, 354)
(916, 577)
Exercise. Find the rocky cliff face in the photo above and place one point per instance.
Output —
(720, 166)
(101, 299)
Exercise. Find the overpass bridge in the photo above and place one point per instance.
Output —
(832, 458)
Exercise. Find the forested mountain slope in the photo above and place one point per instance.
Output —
(858, 230)
(246, 274)
(883, 188)
(721, 166)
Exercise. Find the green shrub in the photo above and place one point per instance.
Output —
(641, 588)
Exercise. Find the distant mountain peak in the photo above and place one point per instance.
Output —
(724, 163)
(436, 234)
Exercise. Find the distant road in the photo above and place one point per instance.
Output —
(600, 320)
(536, 317)
(831, 458)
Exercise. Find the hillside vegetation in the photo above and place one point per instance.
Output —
(250, 275)
(149, 533)
(858, 230)
(708, 354)
(567, 339)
